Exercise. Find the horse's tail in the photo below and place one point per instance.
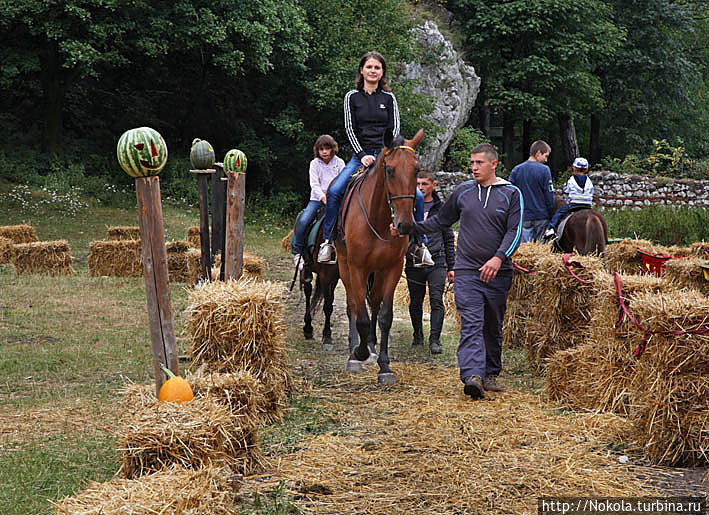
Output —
(317, 297)
(596, 234)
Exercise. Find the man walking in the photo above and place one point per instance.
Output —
(490, 211)
(441, 244)
(533, 178)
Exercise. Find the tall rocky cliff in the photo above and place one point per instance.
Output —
(451, 84)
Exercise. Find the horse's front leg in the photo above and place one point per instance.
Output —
(357, 302)
(386, 316)
(306, 282)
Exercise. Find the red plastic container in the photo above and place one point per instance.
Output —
(653, 263)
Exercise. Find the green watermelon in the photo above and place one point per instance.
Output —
(235, 161)
(142, 152)
(201, 154)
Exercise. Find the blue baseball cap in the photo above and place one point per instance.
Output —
(580, 162)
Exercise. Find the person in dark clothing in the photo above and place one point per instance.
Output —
(441, 244)
(369, 111)
(490, 211)
(533, 178)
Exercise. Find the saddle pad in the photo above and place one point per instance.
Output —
(562, 224)
(352, 184)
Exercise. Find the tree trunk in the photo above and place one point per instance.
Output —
(567, 132)
(508, 133)
(526, 137)
(53, 98)
(594, 143)
(484, 120)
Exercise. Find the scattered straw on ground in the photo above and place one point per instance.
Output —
(421, 446)
(43, 257)
(123, 233)
(209, 490)
(19, 233)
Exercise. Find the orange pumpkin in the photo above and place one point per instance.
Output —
(175, 389)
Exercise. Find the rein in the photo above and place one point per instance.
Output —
(389, 196)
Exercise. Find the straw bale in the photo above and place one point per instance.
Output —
(19, 233)
(559, 307)
(177, 261)
(193, 235)
(597, 375)
(670, 389)
(7, 250)
(699, 249)
(240, 391)
(623, 257)
(43, 257)
(208, 490)
(254, 266)
(423, 447)
(115, 258)
(203, 432)
(687, 273)
(193, 258)
(285, 242)
(514, 330)
(123, 232)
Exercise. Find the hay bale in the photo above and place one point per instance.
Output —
(239, 391)
(254, 266)
(193, 235)
(124, 232)
(19, 233)
(597, 375)
(623, 257)
(670, 388)
(514, 330)
(687, 273)
(43, 257)
(237, 326)
(7, 251)
(152, 435)
(560, 306)
(115, 258)
(172, 490)
(178, 266)
(699, 249)
(285, 242)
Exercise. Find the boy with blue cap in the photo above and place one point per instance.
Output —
(579, 192)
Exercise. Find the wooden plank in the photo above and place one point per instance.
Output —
(218, 212)
(155, 273)
(234, 244)
(203, 186)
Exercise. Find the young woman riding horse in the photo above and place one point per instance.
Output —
(370, 260)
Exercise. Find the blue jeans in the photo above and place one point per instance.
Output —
(337, 190)
(533, 230)
(302, 223)
(562, 212)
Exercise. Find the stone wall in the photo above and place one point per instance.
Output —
(620, 191)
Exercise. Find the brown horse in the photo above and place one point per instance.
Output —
(370, 260)
(585, 232)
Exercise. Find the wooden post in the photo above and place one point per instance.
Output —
(155, 273)
(204, 221)
(234, 244)
(218, 213)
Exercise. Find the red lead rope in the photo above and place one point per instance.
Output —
(575, 264)
(623, 311)
(522, 269)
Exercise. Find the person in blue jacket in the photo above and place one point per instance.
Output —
(533, 178)
(490, 210)
(369, 109)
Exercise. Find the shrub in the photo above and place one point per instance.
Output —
(458, 153)
(662, 224)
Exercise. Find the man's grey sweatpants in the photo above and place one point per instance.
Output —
(482, 310)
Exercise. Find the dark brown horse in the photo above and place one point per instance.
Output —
(585, 231)
(326, 278)
(370, 260)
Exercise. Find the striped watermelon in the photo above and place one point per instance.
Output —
(142, 152)
(201, 154)
(235, 161)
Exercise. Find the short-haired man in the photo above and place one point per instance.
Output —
(533, 178)
(441, 244)
(490, 211)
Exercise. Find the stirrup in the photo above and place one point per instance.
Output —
(327, 254)
(422, 257)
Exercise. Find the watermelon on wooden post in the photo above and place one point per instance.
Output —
(235, 161)
(201, 154)
(142, 152)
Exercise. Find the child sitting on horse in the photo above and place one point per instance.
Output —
(325, 166)
(579, 190)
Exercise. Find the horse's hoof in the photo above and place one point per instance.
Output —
(354, 366)
(307, 336)
(328, 347)
(371, 359)
(386, 378)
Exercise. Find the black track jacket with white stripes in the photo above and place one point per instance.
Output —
(367, 117)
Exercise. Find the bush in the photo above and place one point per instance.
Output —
(665, 161)
(662, 224)
(458, 153)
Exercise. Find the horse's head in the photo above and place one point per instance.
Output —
(400, 168)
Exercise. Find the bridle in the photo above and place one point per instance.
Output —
(389, 171)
